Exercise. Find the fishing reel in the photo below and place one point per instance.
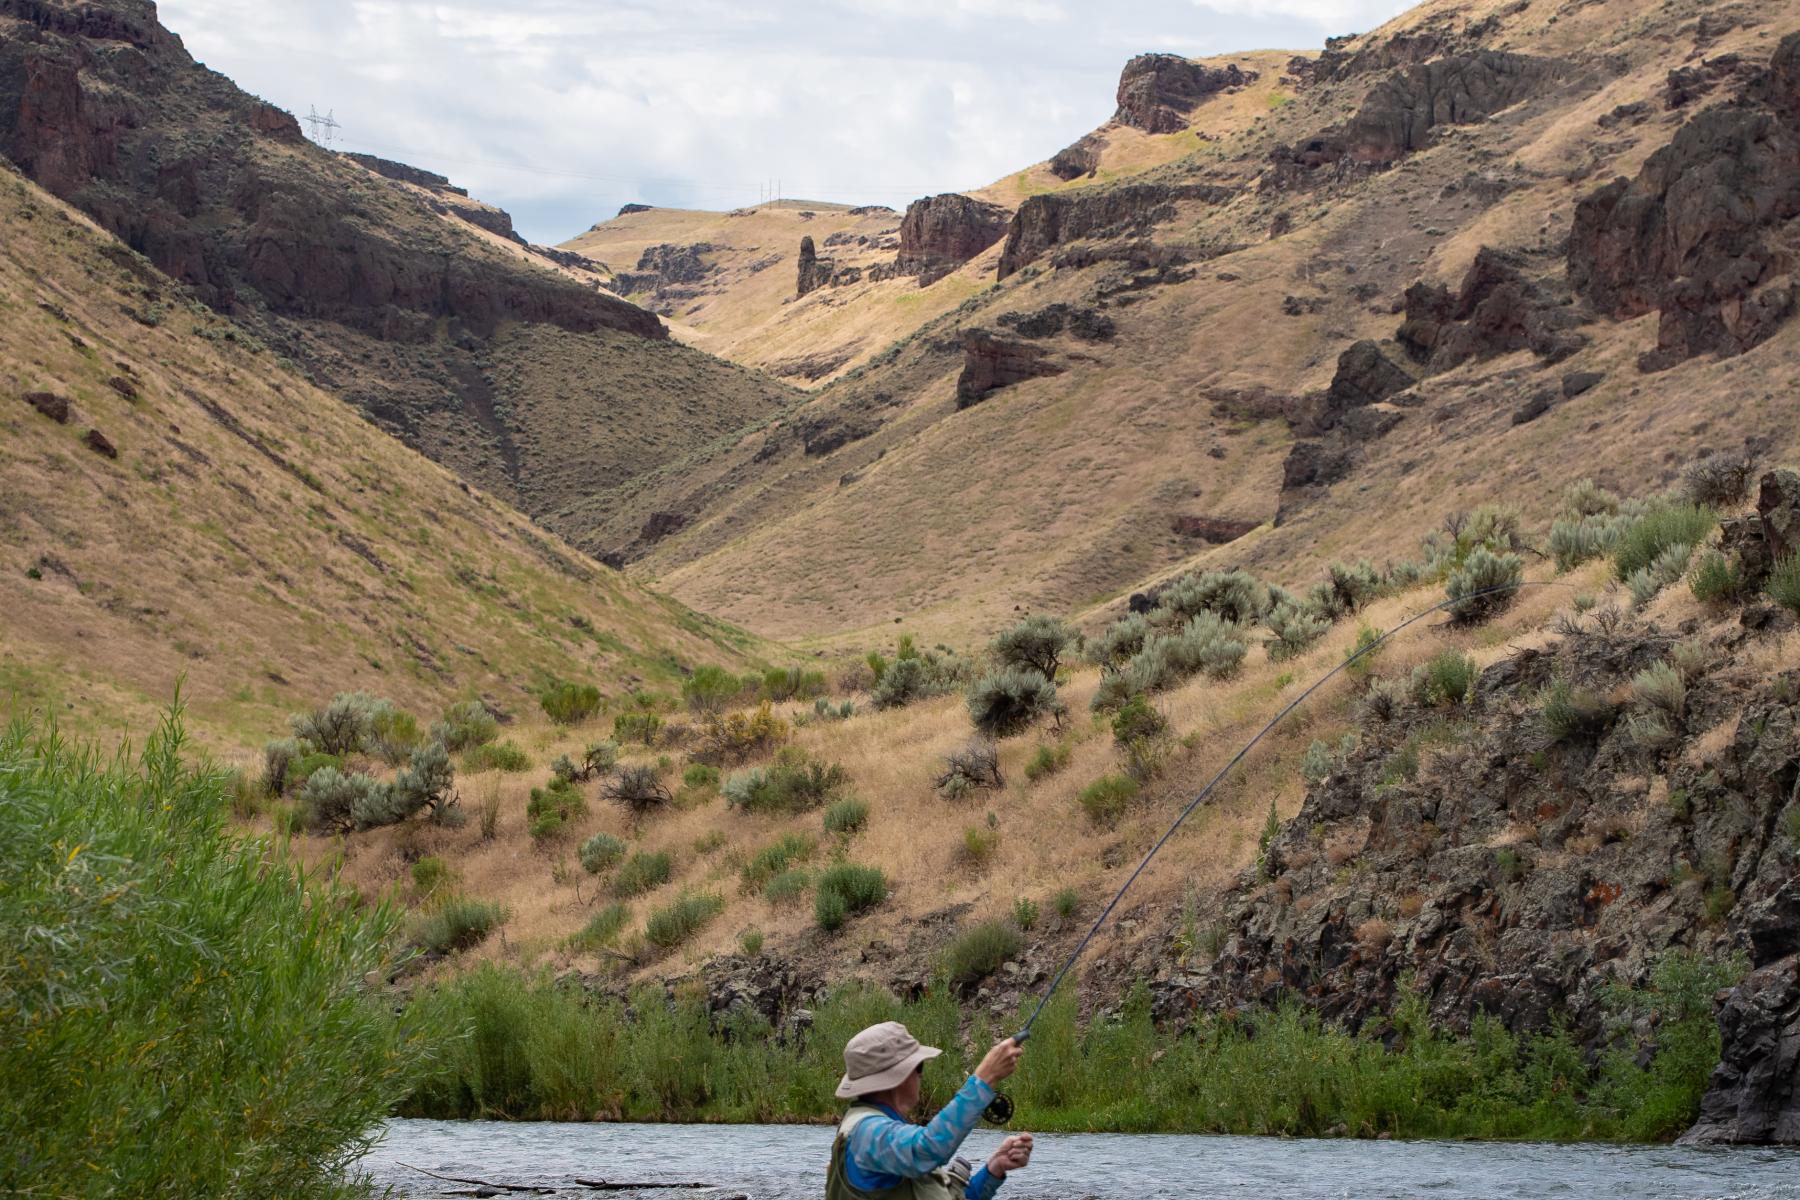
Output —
(1000, 1109)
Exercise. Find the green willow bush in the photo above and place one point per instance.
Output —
(179, 1014)
(534, 1049)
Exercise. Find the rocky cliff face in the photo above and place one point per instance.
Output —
(1704, 235)
(1051, 219)
(1158, 91)
(991, 361)
(1496, 310)
(104, 107)
(941, 233)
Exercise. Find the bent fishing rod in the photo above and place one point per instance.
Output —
(1000, 1110)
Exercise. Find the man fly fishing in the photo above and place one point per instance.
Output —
(880, 1155)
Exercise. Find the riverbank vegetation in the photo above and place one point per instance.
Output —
(533, 1049)
(182, 1013)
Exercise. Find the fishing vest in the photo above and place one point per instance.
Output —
(935, 1186)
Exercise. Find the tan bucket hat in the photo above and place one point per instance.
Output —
(880, 1057)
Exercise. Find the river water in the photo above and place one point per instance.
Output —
(778, 1162)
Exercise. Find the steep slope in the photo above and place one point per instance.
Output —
(387, 286)
(1171, 370)
(176, 504)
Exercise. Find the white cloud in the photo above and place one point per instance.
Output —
(561, 110)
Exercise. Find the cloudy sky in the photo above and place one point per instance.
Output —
(562, 110)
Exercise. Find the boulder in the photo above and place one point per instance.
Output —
(991, 362)
(100, 444)
(50, 405)
(1364, 376)
(1701, 234)
(1158, 91)
(1577, 383)
(1215, 530)
(941, 233)
(1778, 508)
(1080, 158)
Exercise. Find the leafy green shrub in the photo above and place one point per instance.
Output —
(553, 806)
(567, 703)
(699, 775)
(1484, 585)
(429, 874)
(1784, 584)
(1661, 527)
(638, 790)
(600, 853)
(710, 690)
(979, 844)
(825, 710)
(1575, 540)
(1009, 701)
(1585, 498)
(459, 923)
(1025, 913)
(787, 887)
(1208, 644)
(184, 1016)
(1034, 644)
(495, 756)
(1066, 902)
(1571, 714)
(1344, 591)
(781, 684)
(1717, 580)
(1449, 678)
(770, 861)
(1106, 799)
(792, 783)
(751, 942)
(465, 726)
(637, 725)
(739, 736)
(846, 816)
(338, 801)
(1317, 763)
(680, 920)
(423, 784)
(846, 890)
(1121, 641)
(644, 871)
(1296, 628)
(603, 928)
(393, 734)
(980, 950)
(1047, 759)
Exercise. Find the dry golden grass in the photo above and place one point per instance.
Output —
(255, 537)
(1045, 842)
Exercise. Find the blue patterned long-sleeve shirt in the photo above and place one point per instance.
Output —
(882, 1152)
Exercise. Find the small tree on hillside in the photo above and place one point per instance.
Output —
(1036, 644)
(709, 689)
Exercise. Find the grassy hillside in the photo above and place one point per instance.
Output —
(1068, 492)
(251, 534)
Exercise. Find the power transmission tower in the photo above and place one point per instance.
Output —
(324, 128)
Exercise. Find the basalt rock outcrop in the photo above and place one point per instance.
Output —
(1398, 114)
(991, 362)
(941, 233)
(1079, 158)
(1052, 319)
(812, 272)
(1158, 91)
(1052, 219)
(1704, 234)
(1469, 858)
(104, 108)
(1497, 309)
(1364, 376)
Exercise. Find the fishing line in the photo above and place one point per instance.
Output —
(1044, 999)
